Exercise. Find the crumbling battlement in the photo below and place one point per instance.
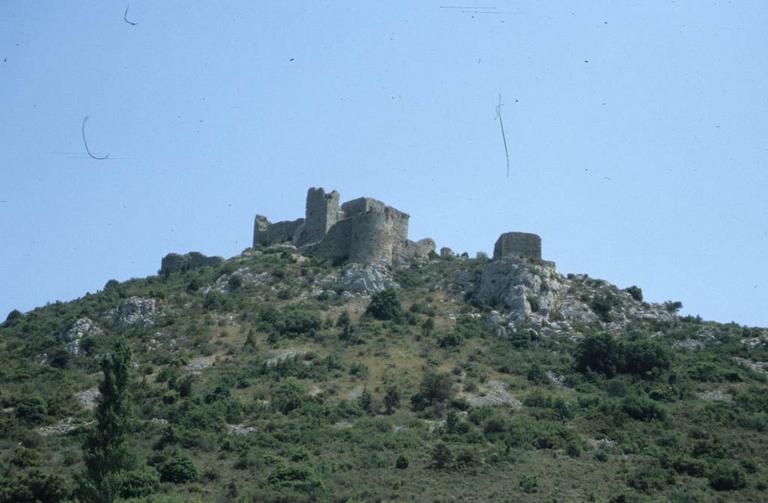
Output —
(362, 230)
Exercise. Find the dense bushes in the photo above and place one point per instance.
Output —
(385, 305)
(177, 468)
(32, 487)
(603, 305)
(139, 483)
(608, 355)
(643, 409)
(292, 322)
(289, 395)
(435, 388)
(635, 292)
(727, 476)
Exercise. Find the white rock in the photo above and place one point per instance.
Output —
(81, 328)
(88, 397)
(491, 393)
(135, 312)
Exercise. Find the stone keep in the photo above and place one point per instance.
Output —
(518, 244)
(363, 230)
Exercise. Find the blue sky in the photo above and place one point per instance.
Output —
(637, 134)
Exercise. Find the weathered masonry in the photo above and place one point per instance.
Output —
(362, 230)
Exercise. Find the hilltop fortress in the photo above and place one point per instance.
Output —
(366, 230)
(362, 230)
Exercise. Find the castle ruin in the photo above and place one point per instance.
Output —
(518, 244)
(362, 230)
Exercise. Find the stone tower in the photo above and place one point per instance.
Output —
(518, 244)
(322, 213)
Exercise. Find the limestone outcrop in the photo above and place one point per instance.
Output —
(362, 230)
(83, 327)
(534, 294)
(135, 312)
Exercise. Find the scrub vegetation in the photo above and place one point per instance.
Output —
(273, 391)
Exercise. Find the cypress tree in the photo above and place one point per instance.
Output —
(106, 449)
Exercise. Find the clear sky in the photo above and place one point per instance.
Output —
(637, 134)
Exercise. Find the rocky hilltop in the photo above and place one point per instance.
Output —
(336, 360)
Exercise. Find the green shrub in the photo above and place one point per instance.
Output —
(442, 457)
(194, 285)
(139, 483)
(289, 395)
(467, 458)
(298, 477)
(24, 457)
(600, 353)
(31, 409)
(343, 320)
(635, 292)
(529, 483)
(645, 357)
(451, 339)
(608, 355)
(537, 375)
(178, 468)
(573, 450)
(290, 322)
(32, 487)
(435, 388)
(689, 466)
(385, 305)
(235, 282)
(391, 399)
(648, 479)
(402, 462)
(602, 305)
(643, 409)
(727, 476)
(13, 317)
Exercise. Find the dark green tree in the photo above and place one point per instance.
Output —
(250, 342)
(385, 305)
(106, 449)
(428, 327)
(391, 399)
(442, 457)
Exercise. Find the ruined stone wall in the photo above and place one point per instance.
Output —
(265, 232)
(322, 212)
(174, 262)
(517, 244)
(363, 230)
(335, 245)
(361, 205)
(379, 235)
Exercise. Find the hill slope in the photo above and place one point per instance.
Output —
(278, 377)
